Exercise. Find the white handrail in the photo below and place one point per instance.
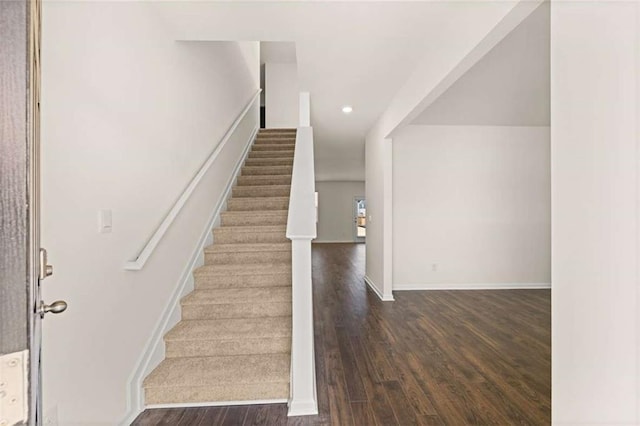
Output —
(147, 251)
(301, 222)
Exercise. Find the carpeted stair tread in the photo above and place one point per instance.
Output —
(208, 371)
(237, 303)
(278, 130)
(247, 269)
(227, 347)
(250, 234)
(242, 280)
(243, 256)
(271, 154)
(225, 229)
(225, 392)
(274, 141)
(239, 295)
(262, 191)
(266, 170)
(260, 309)
(289, 138)
(253, 180)
(249, 247)
(269, 162)
(273, 147)
(254, 217)
(230, 329)
(258, 203)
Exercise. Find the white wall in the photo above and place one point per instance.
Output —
(378, 183)
(475, 202)
(509, 86)
(425, 84)
(335, 210)
(594, 151)
(281, 95)
(128, 116)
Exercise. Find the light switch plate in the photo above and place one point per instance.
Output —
(105, 221)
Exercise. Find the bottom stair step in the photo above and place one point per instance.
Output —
(226, 378)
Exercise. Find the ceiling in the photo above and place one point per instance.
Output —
(357, 53)
(509, 86)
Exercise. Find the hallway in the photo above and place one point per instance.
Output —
(434, 357)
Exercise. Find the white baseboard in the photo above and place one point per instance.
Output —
(303, 408)
(219, 403)
(377, 292)
(333, 242)
(472, 286)
(154, 350)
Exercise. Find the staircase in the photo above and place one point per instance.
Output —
(233, 342)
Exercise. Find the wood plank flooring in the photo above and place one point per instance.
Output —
(429, 358)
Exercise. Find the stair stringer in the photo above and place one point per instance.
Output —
(154, 350)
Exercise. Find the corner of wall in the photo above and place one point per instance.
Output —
(385, 297)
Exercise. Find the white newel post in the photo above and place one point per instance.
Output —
(301, 229)
(303, 369)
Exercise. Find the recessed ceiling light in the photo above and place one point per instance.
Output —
(347, 109)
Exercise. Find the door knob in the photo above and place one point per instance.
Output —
(56, 307)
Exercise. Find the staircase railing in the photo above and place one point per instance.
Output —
(140, 260)
(301, 229)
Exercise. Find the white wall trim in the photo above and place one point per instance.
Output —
(637, 52)
(336, 242)
(376, 291)
(303, 408)
(152, 243)
(472, 286)
(219, 403)
(154, 349)
(327, 179)
(387, 226)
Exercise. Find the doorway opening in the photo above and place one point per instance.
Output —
(360, 219)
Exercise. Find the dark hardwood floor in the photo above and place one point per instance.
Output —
(429, 358)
